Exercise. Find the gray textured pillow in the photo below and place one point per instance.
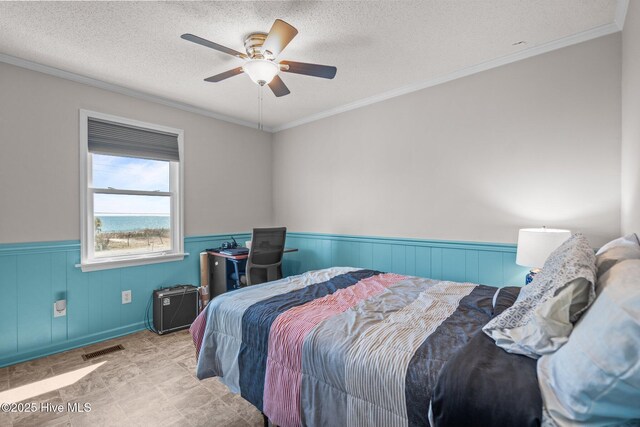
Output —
(541, 319)
(618, 250)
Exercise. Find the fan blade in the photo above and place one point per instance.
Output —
(279, 37)
(278, 87)
(315, 70)
(225, 75)
(212, 45)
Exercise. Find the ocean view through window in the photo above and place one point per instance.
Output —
(124, 234)
(132, 206)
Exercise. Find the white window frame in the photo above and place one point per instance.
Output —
(176, 189)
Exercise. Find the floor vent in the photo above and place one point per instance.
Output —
(102, 352)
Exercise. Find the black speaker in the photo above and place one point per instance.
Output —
(174, 308)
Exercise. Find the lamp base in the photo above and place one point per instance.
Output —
(531, 275)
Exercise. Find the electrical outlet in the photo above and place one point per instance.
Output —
(60, 308)
(126, 297)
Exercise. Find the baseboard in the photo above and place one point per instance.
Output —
(71, 344)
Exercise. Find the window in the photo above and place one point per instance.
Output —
(131, 192)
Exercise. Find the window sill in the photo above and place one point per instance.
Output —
(130, 262)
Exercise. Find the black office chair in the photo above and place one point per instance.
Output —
(265, 256)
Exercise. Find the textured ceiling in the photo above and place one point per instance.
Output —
(377, 46)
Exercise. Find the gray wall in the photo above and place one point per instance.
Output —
(39, 165)
(532, 143)
(631, 120)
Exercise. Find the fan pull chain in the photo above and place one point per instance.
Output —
(260, 107)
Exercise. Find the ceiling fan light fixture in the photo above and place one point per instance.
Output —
(261, 71)
(260, 60)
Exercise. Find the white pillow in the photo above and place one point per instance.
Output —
(594, 379)
(628, 240)
(541, 319)
(627, 247)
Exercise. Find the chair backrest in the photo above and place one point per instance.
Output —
(265, 255)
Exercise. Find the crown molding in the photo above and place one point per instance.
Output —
(621, 13)
(100, 84)
(593, 33)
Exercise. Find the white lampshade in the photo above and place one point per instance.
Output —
(261, 71)
(536, 244)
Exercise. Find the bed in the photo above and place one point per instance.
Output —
(348, 346)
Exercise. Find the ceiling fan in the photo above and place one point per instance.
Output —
(260, 60)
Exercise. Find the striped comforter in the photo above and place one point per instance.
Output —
(340, 346)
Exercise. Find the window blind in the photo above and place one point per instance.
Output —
(129, 141)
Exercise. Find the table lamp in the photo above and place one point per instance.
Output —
(535, 245)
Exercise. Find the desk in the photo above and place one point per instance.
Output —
(245, 256)
(220, 266)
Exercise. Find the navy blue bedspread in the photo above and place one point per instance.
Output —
(483, 385)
